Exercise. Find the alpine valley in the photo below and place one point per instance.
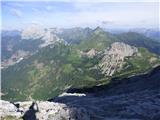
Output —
(80, 71)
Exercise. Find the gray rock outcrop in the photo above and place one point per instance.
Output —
(113, 59)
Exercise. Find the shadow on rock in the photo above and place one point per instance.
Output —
(31, 113)
(137, 97)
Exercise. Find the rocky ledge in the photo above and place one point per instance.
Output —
(41, 110)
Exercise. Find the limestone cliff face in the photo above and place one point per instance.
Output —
(91, 53)
(36, 31)
(113, 59)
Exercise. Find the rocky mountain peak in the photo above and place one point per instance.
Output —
(35, 31)
(98, 30)
(122, 50)
(113, 59)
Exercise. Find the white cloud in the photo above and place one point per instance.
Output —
(35, 10)
(49, 8)
(16, 12)
(89, 14)
(118, 17)
(16, 4)
(36, 22)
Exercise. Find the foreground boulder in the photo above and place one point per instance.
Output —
(43, 110)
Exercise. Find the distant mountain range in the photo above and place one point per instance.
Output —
(39, 63)
(152, 33)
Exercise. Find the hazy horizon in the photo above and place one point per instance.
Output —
(110, 15)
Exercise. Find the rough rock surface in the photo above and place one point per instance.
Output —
(113, 59)
(91, 53)
(35, 31)
(15, 58)
(46, 110)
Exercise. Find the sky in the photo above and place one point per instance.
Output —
(84, 13)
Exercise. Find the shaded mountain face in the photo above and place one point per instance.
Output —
(136, 97)
(95, 60)
(118, 86)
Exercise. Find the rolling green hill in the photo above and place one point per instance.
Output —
(56, 68)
